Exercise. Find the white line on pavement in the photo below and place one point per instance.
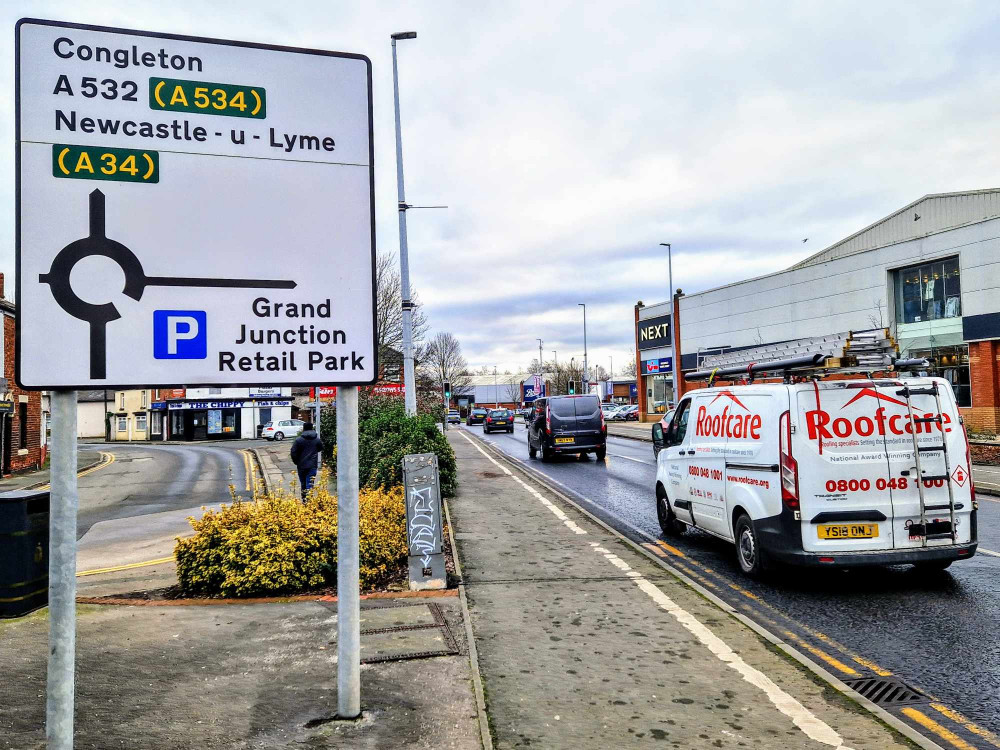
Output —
(813, 727)
(988, 552)
(556, 511)
(637, 460)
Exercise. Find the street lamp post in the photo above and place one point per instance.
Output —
(496, 393)
(586, 376)
(541, 366)
(410, 387)
(674, 364)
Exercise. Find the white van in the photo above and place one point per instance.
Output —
(821, 473)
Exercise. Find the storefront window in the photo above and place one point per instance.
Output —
(929, 292)
(229, 421)
(659, 392)
(156, 425)
(952, 364)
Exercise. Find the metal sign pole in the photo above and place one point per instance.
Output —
(62, 574)
(348, 582)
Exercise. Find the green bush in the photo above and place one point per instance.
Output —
(279, 545)
(385, 435)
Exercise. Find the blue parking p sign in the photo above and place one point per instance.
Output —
(179, 334)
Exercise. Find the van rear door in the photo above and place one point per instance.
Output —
(940, 472)
(843, 467)
(576, 421)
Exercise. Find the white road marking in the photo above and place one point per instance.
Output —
(637, 460)
(810, 724)
(988, 552)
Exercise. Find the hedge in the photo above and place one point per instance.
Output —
(280, 545)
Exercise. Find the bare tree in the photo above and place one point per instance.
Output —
(598, 373)
(442, 357)
(878, 318)
(389, 306)
(512, 388)
(628, 370)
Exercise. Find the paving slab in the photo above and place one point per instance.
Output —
(237, 676)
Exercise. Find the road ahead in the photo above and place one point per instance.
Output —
(132, 508)
(940, 633)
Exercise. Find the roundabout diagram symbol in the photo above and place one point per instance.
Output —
(97, 243)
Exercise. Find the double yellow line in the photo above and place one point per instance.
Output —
(106, 460)
(664, 550)
(250, 472)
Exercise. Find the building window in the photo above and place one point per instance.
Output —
(157, 424)
(214, 391)
(122, 424)
(140, 422)
(121, 405)
(929, 292)
(143, 403)
(948, 362)
(22, 409)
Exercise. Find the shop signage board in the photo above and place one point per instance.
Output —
(659, 366)
(158, 176)
(653, 333)
(227, 404)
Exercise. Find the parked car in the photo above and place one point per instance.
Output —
(454, 417)
(630, 413)
(499, 420)
(476, 416)
(617, 414)
(567, 424)
(822, 473)
(659, 430)
(282, 428)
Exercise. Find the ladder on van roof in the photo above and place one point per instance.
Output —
(934, 529)
(867, 351)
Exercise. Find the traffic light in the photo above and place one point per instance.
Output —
(447, 391)
(572, 387)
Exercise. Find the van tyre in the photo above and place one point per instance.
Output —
(532, 453)
(748, 552)
(546, 453)
(669, 524)
(601, 453)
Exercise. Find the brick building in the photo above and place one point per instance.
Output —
(21, 445)
(928, 272)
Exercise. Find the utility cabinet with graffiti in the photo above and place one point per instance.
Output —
(423, 521)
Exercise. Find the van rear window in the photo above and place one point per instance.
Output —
(563, 407)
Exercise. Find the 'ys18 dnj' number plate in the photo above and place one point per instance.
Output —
(847, 530)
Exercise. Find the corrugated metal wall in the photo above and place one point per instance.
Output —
(937, 213)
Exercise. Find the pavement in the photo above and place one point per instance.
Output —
(242, 676)
(85, 459)
(634, 430)
(584, 642)
(853, 622)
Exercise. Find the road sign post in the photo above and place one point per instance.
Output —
(60, 692)
(230, 186)
(348, 564)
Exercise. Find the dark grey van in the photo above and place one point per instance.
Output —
(567, 424)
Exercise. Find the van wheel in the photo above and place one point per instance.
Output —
(932, 566)
(532, 453)
(602, 453)
(748, 551)
(546, 453)
(669, 524)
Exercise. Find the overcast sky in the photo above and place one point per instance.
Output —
(569, 139)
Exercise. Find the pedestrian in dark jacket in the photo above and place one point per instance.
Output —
(305, 456)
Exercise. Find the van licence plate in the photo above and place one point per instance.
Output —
(564, 440)
(847, 530)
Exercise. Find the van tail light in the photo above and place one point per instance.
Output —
(788, 466)
(548, 419)
(489, 420)
(968, 466)
(604, 425)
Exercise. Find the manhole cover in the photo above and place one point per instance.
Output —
(886, 691)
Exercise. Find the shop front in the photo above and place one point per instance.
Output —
(229, 419)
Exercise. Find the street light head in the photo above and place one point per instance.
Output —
(405, 35)
(664, 244)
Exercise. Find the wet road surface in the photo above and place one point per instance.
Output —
(939, 633)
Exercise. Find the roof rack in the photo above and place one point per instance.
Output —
(863, 352)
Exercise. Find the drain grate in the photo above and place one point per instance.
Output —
(886, 691)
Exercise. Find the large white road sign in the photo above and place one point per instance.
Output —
(191, 211)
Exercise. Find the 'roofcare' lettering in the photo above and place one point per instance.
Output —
(821, 425)
(727, 425)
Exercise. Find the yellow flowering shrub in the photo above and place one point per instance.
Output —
(276, 544)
